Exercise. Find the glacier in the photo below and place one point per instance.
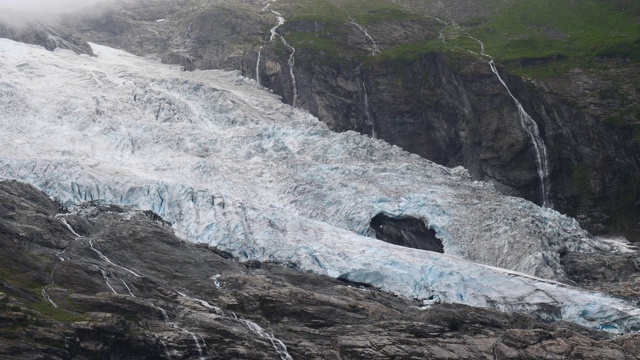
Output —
(231, 166)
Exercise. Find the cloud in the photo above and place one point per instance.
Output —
(55, 6)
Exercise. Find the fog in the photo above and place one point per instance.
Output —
(56, 6)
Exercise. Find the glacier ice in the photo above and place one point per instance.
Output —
(231, 166)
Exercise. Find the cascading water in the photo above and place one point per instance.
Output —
(278, 345)
(128, 288)
(197, 342)
(531, 128)
(274, 32)
(106, 279)
(103, 257)
(370, 119)
(279, 22)
(527, 123)
(375, 50)
(258, 66)
(46, 296)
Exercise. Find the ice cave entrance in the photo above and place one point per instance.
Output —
(407, 231)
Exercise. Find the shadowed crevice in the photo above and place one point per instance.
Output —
(408, 232)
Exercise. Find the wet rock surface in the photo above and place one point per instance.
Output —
(124, 287)
(618, 275)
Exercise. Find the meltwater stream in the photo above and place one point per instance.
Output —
(527, 123)
(258, 66)
(531, 128)
(277, 344)
(367, 113)
(375, 50)
(291, 61)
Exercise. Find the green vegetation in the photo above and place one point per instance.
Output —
(406, 53)
(57, 314)
(629, 51)
(560, 34)
(321, 25)
(321, 11)
(539, 38)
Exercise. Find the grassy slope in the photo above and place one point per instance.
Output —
(333, 18)
(568, 31)
(577, 30)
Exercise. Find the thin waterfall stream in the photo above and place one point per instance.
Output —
(291, 61)
(375, 49)
(367, 113)
(531, 128)
(258, 66)
(199, 341)
(527, 122)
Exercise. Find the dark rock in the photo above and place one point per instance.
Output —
(618, 275)
(407, 232)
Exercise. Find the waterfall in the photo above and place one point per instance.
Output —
(531, 128)
(291, 61)
(277, 344)
(279, 22)
(106, 279)
(258, 66)
(128, 288)
(527, 123)
(47, 297)
(198, 347)
(266, 7)
(375, 50)
(374, 133)
(103, 257)
(65, 223)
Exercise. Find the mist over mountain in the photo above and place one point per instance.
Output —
(53, 6)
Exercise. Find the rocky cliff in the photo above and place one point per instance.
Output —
(109, 282)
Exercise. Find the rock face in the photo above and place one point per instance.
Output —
(618, 275)
(124, 287)
(461, 115)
